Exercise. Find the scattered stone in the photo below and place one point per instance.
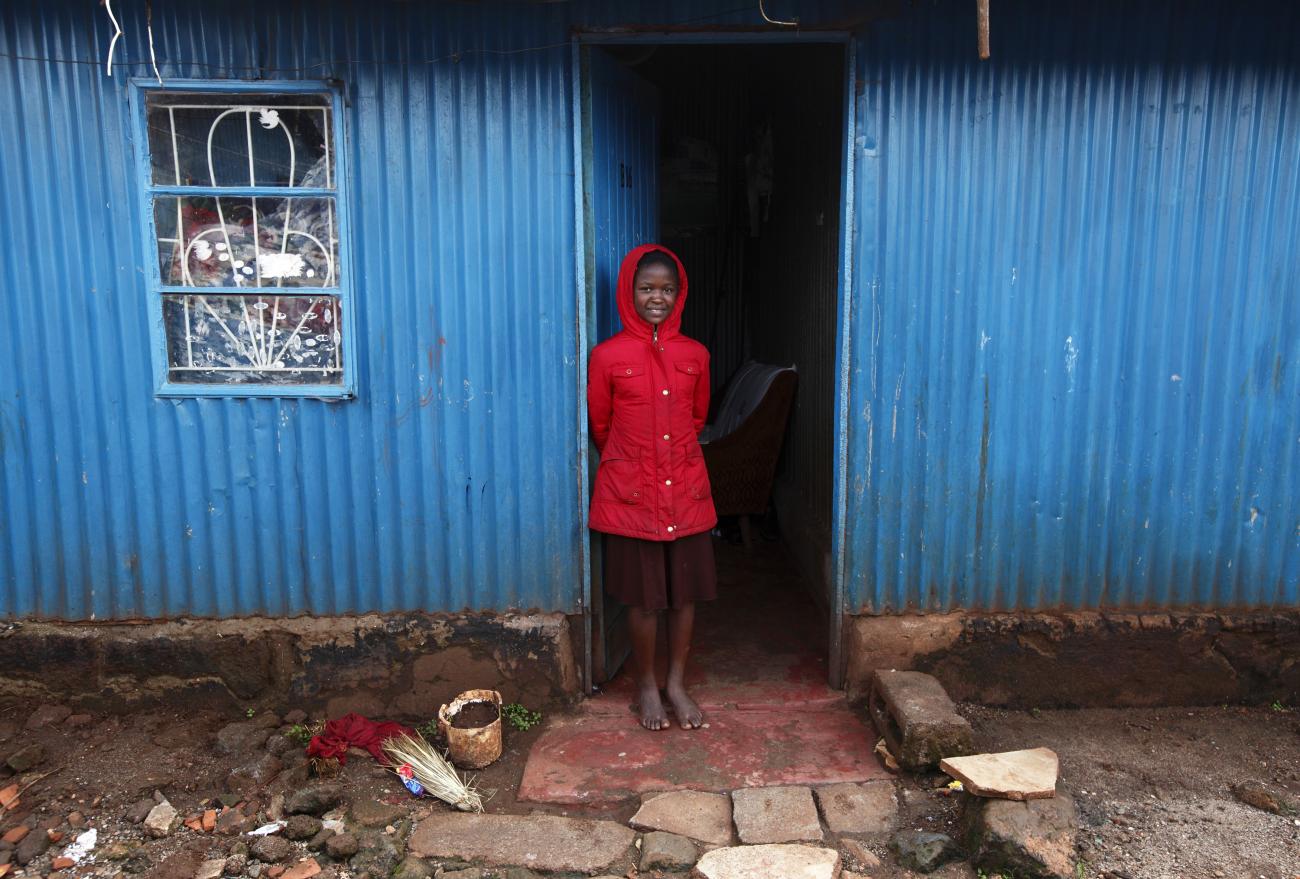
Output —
(301, 827)
(254, 774)
(1011, 775)
(924, 852)
(78, 720)
(294, 776)
(245, 735)
(769, 862)
(63, 863)
(519, 873)
(866, 858)
(917, 719)
(209, 820)
(415, 868)
(544, 842)
(117, 851)
(271, 849)
(372, 813)
(278, 744)
(315, 799)
(471, 873)
(698, 815)
(26, 758)
(233, 822)
(378, 855)
(47, 715)
(275, 811)
(32, 846)
(302, 870)
(666, 851)
(317, 842)
(296, 716)
(775, 814)
(1034, 838)
(76, 819)
(213, 868)
(1260, 796)
(858, 808)
(139, 810)
(236, 865)
(15, 835)
(162, 820)
(342, 846)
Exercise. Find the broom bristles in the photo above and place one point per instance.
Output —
(433, 771)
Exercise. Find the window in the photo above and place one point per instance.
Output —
(243, 197)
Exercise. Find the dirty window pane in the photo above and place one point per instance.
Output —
(244, 139)
(253, 339)
(243, 241)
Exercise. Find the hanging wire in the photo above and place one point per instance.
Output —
(762, 11)
(112, 44)
(148, 26)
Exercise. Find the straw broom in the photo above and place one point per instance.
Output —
(433, 771)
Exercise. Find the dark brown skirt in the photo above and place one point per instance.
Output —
(656, 575)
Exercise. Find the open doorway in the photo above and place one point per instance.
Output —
(731, 155)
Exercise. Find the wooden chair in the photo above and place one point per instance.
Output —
(742, 461)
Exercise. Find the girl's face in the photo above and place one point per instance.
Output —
(654, 293)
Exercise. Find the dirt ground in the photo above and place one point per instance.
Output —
(1153, 788)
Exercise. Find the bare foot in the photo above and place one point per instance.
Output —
(688, 713)
(651, 709)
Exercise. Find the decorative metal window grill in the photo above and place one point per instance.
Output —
(243, 194)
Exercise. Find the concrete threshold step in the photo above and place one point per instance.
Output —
(608, 758)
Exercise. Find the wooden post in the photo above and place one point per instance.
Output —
(982, 10)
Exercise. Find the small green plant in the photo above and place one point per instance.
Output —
(250, 712)
(300, 734)
(428, 730)
(1278, 706)
(520, 717)
(1080, 872)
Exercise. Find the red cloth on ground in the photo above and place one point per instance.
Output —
(355, 731)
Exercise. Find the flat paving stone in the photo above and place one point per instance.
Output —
(775, 814)
(666, 851)
(769, 862)
(858, 808)
(695, 814)
(1010, 775)
(597, 758)
(539, 842)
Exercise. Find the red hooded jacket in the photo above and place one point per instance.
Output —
(647, 399)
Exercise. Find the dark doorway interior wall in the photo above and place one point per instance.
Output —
(750, 198)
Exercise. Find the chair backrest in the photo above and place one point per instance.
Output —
(744, 392)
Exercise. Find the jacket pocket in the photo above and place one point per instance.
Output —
(628, 380)
(697, 478)
(619, 481)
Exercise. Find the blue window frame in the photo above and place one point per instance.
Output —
(245, 238)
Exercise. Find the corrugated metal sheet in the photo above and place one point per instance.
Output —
(1074, 351)
(1077, 339)
(450, 482)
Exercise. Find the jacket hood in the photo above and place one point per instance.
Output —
(633, 323)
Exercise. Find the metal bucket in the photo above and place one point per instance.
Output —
(472, 748)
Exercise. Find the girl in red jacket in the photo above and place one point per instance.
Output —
(648, 396)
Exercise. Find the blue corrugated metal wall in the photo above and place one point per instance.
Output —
(1074, 353)
(450, 482)
(1077, 342)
